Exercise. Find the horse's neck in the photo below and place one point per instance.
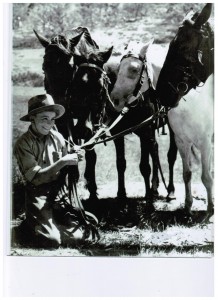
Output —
(208, 89)
(200, 99)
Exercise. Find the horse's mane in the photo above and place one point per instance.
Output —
(85, 37)
(62, 43)
(86, 43)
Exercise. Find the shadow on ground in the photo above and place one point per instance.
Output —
(123, 226)
(134, 212)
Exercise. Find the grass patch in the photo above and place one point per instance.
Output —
(121, 235)
(28, 79)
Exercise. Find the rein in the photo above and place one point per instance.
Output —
(94, 140)
(89, 219)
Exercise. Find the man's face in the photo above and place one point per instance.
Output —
(43, 122)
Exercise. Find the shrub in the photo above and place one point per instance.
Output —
(27, 42)
(28, 79)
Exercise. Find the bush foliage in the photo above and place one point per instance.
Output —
(28, 79)
(55, 18)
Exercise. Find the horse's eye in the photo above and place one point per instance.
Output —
(133, 71)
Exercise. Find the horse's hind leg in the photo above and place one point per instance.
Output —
(207, 179)
(146, 169)
(153, 147)
(90, 174)
(121, 167)
(185, 151)
(172, 155)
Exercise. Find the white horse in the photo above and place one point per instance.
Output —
(187, 74)
(192, 124)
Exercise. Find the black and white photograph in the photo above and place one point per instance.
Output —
(112, 130)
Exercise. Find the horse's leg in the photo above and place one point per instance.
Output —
(146, 169)
(172, 155)
(153, 149)
(187, 176)
(121, 166)
(207, 179)
(90, 174)
(185, 151)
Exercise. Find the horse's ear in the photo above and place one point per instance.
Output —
(106, 55)
(75, 40)
(88, 38)
(188, 17)
(144, 49)
(203, 16)
(44, 42)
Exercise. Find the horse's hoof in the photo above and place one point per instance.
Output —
(151, 196)
(93, 198)
(121, 199)
(187, 216)
(149, 207)
(154, 194)
(171, 196)
(209, 217)
(210, 211)
(121, 196)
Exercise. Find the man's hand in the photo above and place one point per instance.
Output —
(80, 152)
(70, 159)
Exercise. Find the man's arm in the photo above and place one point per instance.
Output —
(51, 173)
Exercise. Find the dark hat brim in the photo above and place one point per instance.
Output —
(58, 109)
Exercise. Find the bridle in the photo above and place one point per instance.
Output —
(136, 96)
(103, 92)
(190, 79)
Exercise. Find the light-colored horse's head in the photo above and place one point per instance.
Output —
(138, 70)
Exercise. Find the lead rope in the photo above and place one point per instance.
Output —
(124, 132)
(87, 217)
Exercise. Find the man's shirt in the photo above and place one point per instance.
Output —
(34, 153)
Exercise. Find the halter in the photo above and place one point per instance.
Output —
(190, 79)
(106, 82)
(137, 94)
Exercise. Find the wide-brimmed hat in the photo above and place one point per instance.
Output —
(42, 103)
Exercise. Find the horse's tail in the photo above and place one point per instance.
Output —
(194, 157)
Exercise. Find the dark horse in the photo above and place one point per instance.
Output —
(130, 90)
(74, 76)
(187, 74)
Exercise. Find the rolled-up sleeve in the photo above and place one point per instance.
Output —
(26, 160)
